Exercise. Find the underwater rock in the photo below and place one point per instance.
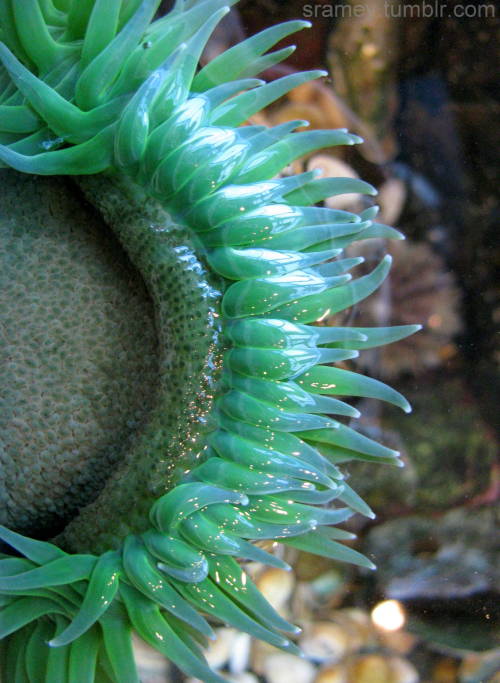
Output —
(363, 53)
(456, 436)
(433, 297)
(447, 572)
(477, 668)
(448, 559)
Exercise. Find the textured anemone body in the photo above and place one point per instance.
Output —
(78, 331)
(247, 443)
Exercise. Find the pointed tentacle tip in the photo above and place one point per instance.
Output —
(407, 407)
(356, 140)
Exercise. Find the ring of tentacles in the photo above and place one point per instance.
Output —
(249, 427)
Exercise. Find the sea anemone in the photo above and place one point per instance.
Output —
(246, 435)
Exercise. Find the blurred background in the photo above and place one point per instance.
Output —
(417, 82)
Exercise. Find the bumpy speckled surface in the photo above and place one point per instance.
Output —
(77, 334)
(189, 357)
(87, 385)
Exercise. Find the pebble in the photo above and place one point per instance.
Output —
(243, 677)
(260, 652)
(445, 671)
(333, 167)
(283, 668)
(370, 669)
(399, 641)
(151, 664)
(220, 649)
(481, 666)
(391, 197)
(357, 626)
(240, 653)
(276, 585)
(324, 641)
(403, 671)
(332, 674)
